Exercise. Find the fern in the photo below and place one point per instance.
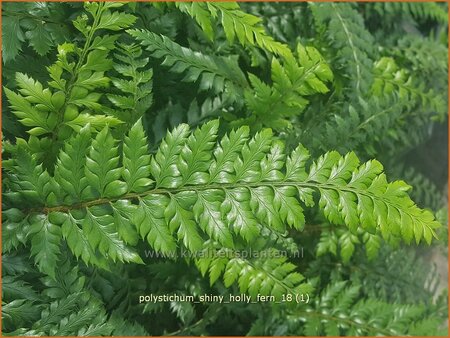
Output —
(30, 116)
(245, 27)
(346, 34)
(31, 24)
(18, 312)
(54, 115)
(285, 22)
(123, 327)
(389, 278)
(13, 36)
(273, 275)
(342, 241)
(389, 79)
(215, 149)
(213, 71)
(419, 11)
(138, 96)
(16, 289)
(68, 311)
(271, 106)
(355, 195)
(15, 264)
(397, 103)
(340, 309)
(425, 191)
(300, 76)
(337, 312)
(425, 54)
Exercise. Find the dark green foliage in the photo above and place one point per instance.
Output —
(207, 148)
(35, 25)
(342, 310)
(133, 81)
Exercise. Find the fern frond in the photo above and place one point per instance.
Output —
(341, 309)
(99, 229)
(404, 276)
(66, 306)
(389, 118)
(34, 181)
(235, 22)
(14, 230)
(213, 72)
(70, 167)
(75, 76)
(56, 311)
(424, 55)
(398, 275)
(67, 281)
(342, 241)
(353, 44)
(29, 116)
(201, 13)
(119, 181)
(136, 160)
(14, 288)
(338, 311)
(425, 192)
(45, 241)
(87, 321)
(15, 264)
(34, 25)
(123, 327)
(269, 188)
(389, 80)
(294, 80)
(18, 313)
(269, 274)
(135, 83)
(298, 77)
(77, 240)
(285, 22)
(420, 11)
(398, 113)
